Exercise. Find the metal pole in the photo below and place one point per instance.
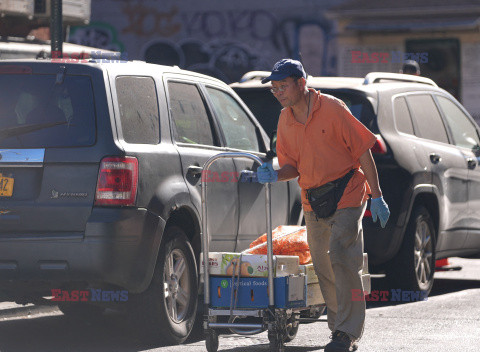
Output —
(205, 239)
(268, 210)
(56, 28)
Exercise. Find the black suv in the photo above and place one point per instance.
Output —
(427, 154)
(100, 171)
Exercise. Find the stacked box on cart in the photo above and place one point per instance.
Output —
(250, 265)
(290, 292)
(309, 272)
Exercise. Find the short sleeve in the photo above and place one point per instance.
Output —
(283, 153)
(358, 138)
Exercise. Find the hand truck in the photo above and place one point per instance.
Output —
(282, 324)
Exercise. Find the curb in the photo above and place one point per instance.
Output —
(12, 310)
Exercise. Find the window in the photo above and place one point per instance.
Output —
(263, 105)
(403, 120)
(239, 131)
(137, 101)
(464, 132)
(427, 118)
(188, 111)
(38, 113)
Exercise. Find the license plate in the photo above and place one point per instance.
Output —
(6, 186)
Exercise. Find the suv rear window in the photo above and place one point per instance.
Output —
(138, 112)
(37, 112)
(267, 109)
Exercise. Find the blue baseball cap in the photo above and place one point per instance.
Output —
(285, 68)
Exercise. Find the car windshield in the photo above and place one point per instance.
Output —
(37, 111)
(267, 109)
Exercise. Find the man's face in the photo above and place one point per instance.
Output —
(288, 91)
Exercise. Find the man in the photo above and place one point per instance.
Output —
(320, 141)
(411, 67)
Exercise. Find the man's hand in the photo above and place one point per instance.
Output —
(266, 173)
(379, 209)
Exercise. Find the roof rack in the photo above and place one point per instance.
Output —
(250, 76)
(376, 77)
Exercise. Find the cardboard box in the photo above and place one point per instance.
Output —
(252, 265)
(309, 272)
(252, 292)
(314, 295)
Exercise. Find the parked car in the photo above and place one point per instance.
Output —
(427, 155)
(100, 169)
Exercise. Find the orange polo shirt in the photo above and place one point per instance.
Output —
(325, 148)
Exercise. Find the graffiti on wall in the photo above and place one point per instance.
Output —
(98, 35)
(225, 60)
(221, 43)
(147, 21)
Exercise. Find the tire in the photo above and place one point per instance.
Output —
(275, 342)
(211, 341)
(167, 309)
(292, 332)
(81, 311)
(414, 266)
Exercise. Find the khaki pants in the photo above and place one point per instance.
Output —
(336, 245)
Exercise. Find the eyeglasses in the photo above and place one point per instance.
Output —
(280, 89)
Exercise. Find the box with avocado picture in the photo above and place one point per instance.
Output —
(250, 265)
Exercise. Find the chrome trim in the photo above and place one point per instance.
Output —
(375, 77)
(13, 157)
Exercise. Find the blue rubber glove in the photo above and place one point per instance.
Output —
(266, 173)
(247, 176)
(379, 208)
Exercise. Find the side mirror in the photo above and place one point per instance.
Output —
(273, 145)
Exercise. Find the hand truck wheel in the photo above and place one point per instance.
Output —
(291, 332)
(211, 341)
(276, 342)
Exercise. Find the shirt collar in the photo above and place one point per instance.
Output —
(316, 106)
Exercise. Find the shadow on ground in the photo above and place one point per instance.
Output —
(113, 331)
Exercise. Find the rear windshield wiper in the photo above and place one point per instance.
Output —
(18, 130)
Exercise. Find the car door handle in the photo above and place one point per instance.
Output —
(435, 158)
(472, 163)
(194, 170)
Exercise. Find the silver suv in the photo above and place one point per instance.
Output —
(427, 155)
(100, 168)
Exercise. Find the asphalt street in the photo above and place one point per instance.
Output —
(448, 321)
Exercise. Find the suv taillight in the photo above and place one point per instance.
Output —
(379, 147)
(117, 181)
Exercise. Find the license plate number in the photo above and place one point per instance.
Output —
(6, 186)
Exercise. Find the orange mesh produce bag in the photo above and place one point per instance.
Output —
(287, 240)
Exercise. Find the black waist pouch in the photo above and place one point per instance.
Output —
(324, 199)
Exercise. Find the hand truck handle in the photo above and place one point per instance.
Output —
(206, 240)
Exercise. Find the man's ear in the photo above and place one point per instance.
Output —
(302, 82)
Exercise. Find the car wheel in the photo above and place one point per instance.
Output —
(414, 266)
(168, 307)
(80, 311)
